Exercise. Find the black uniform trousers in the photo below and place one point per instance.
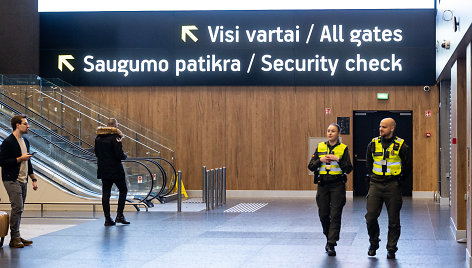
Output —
(331, 199)
(106, 193)
(389, 193)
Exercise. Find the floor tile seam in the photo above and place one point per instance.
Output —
(431, 222)
(255, 254)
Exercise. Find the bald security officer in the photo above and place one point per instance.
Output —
(388, 163)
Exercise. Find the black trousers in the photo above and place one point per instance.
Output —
(331, 199)
(106, 192)
(389, 193)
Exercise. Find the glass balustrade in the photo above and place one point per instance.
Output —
(73, 120)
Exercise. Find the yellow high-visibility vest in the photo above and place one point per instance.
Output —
(332, 168)
(393, 162)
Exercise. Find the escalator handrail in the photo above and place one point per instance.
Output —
(168, 162)
(101, 123)
(95, 159)
(164, 178)
(52, 133)
(43, 118)
(65, 90)
(100, 114)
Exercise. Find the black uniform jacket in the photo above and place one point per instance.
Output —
(109, 152)
(344, 163)
(405, 156)
(9, 151)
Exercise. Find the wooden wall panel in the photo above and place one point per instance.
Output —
(138, 111)
(162, 112)
(211, 106)
(400, 98)
(237, 140)
(261, 133)
(261, 110)
(310, 107)
(425, 149)
(189, 140)
(291, 113)
(250, 140)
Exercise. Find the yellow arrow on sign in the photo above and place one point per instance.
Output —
(63, 61)
(186, 30)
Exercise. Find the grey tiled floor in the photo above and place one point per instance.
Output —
(285, 233)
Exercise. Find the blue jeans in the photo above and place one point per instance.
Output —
(17, 193)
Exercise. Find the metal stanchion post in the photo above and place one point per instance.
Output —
(179, 192)
(220, 188)
(217, 186)
(203, 184)
(224, 186)
(207, 192)
(212, 188)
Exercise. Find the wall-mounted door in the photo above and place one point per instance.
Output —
(366, 127)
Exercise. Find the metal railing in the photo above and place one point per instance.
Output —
(49, 101)
(58, 98)
(93, 204)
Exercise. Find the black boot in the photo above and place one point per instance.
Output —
(373, 249)
(120, 218)
(331, 251)
(109, 221)
(390, 254)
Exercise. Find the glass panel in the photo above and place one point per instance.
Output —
(69, 161)
(58, 106)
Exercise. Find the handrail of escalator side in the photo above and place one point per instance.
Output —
(168, 162)
(93, 120)
(43, 118)
(91, 158)
(75, 145)
(56, 135)
(88, 108)
(94, 160)
(173, 168)
(164, 178)
(133, 139)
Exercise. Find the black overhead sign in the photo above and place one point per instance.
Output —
(306, 47)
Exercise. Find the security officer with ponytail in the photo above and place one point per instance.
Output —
(388, 162)
(330, 163)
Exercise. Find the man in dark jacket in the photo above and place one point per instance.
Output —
(109, 152)
(15, 160)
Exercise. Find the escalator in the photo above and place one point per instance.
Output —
(65, 154)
